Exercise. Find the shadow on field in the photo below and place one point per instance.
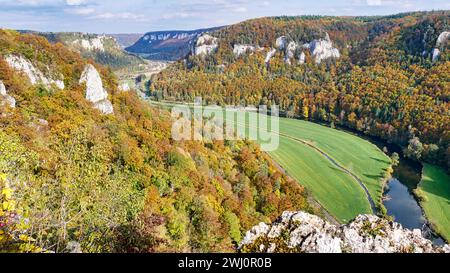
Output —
(380, 160)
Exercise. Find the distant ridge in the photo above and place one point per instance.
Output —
(170, 45)
(127, 39)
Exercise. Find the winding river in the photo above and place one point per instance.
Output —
(399, 198)
(401, 203)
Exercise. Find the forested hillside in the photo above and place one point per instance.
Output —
(384, 76)
(73, 178)
(103, 49)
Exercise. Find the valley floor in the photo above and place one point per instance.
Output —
(339, 169)
(344, 173)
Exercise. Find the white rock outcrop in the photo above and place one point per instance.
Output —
(302, 58)
(205, 45)
(6, 99)
(35, 75)
(323, 49)
(125, 87)
(239, 50)
(270, 55)
(435, 54)
(2, 89)
(440, 42)
(281, 42)
(443, 38)
(303, 232)
(290, 52)
(94, 44)
(95, 92)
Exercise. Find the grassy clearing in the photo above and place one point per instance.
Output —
(336, 191)
(434, 191)
(357, 155)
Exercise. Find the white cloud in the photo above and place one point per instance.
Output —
(390, 3)
(121, 16)
(80, 11)
(32, 3)
(240, 9)
(76, 2)
(182, 14)
(374, 2)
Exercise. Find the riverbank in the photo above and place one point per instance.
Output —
(434, 197)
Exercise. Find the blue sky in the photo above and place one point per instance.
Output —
(139, 16)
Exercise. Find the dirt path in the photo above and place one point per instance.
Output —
(347, 171)
(335, 163)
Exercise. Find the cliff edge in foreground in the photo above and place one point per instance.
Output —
(305, 233)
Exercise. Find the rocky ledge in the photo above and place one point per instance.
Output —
(95, 92)
(306, 233)
(35, 76)
(6, 99)
(205, 45)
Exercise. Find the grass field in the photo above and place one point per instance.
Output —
(337, 191)
(434, 190)
(359, 156)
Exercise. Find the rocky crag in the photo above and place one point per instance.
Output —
(305, 233)
(95, 92)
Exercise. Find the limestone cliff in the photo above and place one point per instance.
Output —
(95, 92)
(205, 45)
(323, 49)
(6, 99)
(36, 76)
(239, 49)
(303, 232)
(440, 42)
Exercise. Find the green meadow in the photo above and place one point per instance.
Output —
(434, 191)
(299, 154)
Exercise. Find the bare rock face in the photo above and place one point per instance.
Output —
(124, 87)
(302, 58)
(95, 92)
(92, 44)
(239, 50)
(443, 38)
(290, 52)
(6, 99)
(323, 49)
(435, 54)
(440, 42)
(303, 232)
(35, 75)
(2, 89)
(206, 44)
(281, 42)
(270, 55)
(104, 106)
